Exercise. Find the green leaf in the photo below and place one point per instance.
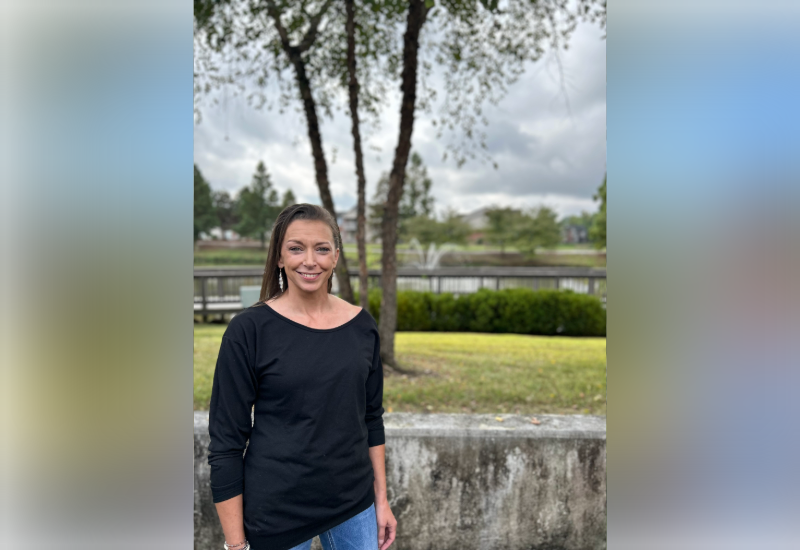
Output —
(430, 3)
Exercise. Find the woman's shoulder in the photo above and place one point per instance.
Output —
(247, 322)
(344, 308)
(356, 313)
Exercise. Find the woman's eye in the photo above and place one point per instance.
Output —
(294, 248)
(323, 249)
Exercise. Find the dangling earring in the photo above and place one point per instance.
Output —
(280, 280)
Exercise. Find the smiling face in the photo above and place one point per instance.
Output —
(308, 254)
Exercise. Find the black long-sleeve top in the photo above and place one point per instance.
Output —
(316, 396)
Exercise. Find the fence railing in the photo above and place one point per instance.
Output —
(216, 290)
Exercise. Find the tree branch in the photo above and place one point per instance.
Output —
(275, 13)
(311, 33)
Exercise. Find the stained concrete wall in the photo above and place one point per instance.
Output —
(471, 482)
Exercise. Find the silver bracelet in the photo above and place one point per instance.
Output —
(244, 545)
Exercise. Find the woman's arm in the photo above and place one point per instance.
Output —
(231, 518)
(229, 425)
(387, 525)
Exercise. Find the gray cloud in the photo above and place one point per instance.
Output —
(545, 152)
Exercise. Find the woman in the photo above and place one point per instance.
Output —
(308, 364)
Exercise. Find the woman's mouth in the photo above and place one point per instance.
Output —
(309, 276)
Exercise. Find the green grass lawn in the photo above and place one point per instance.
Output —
(230, 257)
(468, 372)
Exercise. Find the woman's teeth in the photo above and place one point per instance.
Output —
(309, 275)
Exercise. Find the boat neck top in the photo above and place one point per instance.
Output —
(301, 325)
(316, 400)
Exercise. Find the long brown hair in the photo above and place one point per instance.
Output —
(270, 287)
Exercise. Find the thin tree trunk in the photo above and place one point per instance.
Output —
(309, 106)
(320, 166)
(388, 319)
(363, 278)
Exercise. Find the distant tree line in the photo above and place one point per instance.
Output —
(250, 213)
(253, 210)
(523, 229)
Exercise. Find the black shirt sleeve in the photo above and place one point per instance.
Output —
(229, 422)
(374, 388)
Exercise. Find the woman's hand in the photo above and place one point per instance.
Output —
(387, 525)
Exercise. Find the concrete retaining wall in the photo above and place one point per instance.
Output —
(464, 482)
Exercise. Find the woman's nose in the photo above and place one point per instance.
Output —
(309, 259)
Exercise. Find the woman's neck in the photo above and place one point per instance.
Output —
(311, 304)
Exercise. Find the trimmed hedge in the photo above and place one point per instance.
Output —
(515, 310)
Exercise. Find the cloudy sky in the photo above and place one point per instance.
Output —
(546, 152)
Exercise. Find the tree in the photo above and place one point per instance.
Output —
(537, 229)
(417, 13)
(454, 229)
(427, 229)
(288, 199)
(204, 215)
(353, 88)
(597, 233)
(502, 226)
(416, 199)
(375, 219)
(225, 209)
(258, 206)
(526, 231)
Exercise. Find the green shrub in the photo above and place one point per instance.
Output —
(445, 315)
(414, 311)
(516, 310)
(584, 315)
(373, 302)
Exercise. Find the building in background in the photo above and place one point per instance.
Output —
(477, 220)
(348, 223)
(574, 234)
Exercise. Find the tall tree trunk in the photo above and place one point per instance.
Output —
(363, 278)
(320, 166)
(388, 321)
(294, 53)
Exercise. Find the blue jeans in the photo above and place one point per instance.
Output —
(357, 533)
